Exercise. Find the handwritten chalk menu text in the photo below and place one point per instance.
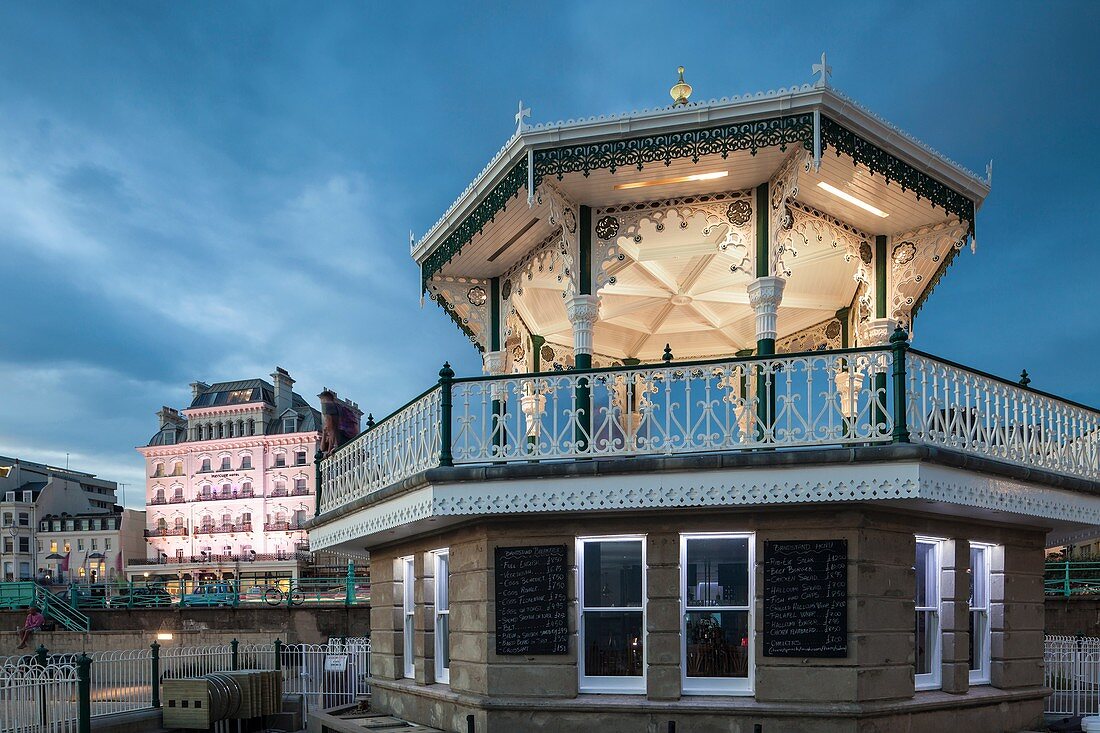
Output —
(806, 598)
(532, 608)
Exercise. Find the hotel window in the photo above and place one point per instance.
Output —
(246, 462)
(106, 543)
(177, 468)
(25, 544)
(442, 617)
(205, 464)
(716, 588)
(611, 591)
(290, 424)
(927, 597)
(79, 544)
(980, 555)
(300, 458)
(95, 543)
(24, 519)
(280, 460)
(225, 463)
(408, 608)
(300, 485)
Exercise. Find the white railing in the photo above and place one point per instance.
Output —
(328, 675)
(1072, 670)
(397, 447)
(194, 661)
(826, 398)
(37, 699)
(956, 408)
(121, 680)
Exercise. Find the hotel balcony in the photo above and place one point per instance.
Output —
(157, 500)
(223, 528)
(167, 532)
(178, 499)
(283, 527)
(768, 410)
(216, 496)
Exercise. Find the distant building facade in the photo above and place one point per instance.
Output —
(231, 482)
(32, 493)
(90, 547)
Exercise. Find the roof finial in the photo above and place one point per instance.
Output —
(825, 70)
(520, 114)
(680, 91)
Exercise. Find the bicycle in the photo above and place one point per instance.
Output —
(275, 596)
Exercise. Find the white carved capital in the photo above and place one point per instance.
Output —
(878, 331)
(493, 362)
(583, 311)
(765, 295)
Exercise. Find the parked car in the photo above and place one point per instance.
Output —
(211, 594)
(141, 597)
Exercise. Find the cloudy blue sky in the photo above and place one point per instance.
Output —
(205, 190)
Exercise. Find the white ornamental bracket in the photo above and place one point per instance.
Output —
(765, 295)
(583, 310)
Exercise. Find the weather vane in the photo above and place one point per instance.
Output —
(825, 70)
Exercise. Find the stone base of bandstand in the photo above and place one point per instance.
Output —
(869, 690)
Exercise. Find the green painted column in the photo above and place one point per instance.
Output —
(762, 268)
(582, 314)
(881, 271)
(494, 361)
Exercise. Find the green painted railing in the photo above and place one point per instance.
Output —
(1072, 578)
(66, 604)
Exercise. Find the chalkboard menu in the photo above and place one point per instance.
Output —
(806, 598)
(531, 605)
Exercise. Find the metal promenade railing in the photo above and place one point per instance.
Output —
(61, 693)
(1072, 578)
(1071, 669)
(823, 398)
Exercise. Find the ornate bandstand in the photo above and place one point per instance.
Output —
(705, 468)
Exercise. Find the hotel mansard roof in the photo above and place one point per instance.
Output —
(671, 204)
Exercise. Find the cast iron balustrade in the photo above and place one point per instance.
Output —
(223, 528)
(301, 555)
(226, 495)
(157, 500)
(167, 532)
(816, 399)
(282, 527)
(277, 492)
(177, 499)
(300, 492)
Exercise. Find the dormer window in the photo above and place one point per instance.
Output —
(290, 423)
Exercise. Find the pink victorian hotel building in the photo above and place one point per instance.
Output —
(230, 484)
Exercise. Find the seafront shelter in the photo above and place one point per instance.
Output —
(708, 478)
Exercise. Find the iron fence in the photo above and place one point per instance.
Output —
(1072, 671)
(61, 693)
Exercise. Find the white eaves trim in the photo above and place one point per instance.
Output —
(714, 113)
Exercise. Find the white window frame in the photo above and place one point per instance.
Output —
(408, 608)
(981, 675)
(617, 685)
(716, 685)
(441, 560)
(932, 680)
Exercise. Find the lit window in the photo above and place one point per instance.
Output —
(612, 628)
(717, 593)
(980, 555)
(239, 396)
(53, 545)
(409, 608)
(927, 656)
(442, 617)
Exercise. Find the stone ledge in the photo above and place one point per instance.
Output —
(587, 703)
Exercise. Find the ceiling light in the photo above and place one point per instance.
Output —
(852, 199)
(677, 179)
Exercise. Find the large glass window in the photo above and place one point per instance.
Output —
(442, 617)
(612, 627)
(409, 608)
(979, 613)
(927, 657)
(716, 588)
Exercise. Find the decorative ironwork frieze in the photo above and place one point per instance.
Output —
(877, 160)
(484, 213)
(694, 144)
